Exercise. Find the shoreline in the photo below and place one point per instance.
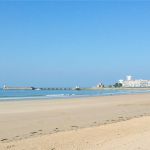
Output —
(37, 98)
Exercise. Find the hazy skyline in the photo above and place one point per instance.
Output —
(69, 43)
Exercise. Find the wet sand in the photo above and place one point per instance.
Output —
(45, 124)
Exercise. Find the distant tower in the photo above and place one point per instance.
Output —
(129, 78)
(4, 87)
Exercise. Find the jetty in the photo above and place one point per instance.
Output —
(17, 88)
(55, 88)
(38, 88)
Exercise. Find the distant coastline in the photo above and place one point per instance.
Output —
(62, 88)
(128, 84)
(120, 88)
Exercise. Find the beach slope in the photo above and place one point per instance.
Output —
(104, 122)
(127, 135)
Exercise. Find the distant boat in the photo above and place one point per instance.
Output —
(77, 88)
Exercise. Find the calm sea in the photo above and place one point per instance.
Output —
(9, 95)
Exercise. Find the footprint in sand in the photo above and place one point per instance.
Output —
(56, 129)
(10, 146)
(33, 132)
(4, 140)
(113, 120)
(17, 136)
(120, 117)
(74, 126)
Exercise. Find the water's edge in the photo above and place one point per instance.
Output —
(13, 95)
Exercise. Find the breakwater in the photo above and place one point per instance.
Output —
(35, 88)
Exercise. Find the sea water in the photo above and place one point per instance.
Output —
(8, 95)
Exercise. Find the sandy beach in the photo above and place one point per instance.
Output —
(105, 122)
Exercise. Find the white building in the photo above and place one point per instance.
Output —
(129, 78)
(130, 82)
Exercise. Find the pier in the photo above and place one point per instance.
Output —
(17, 88)
(35, 88)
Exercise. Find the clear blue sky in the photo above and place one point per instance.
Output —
(69, 43)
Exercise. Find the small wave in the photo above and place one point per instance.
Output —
(19, 98)
(59, 95)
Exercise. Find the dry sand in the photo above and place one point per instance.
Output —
(45, 125)
(127, 135)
